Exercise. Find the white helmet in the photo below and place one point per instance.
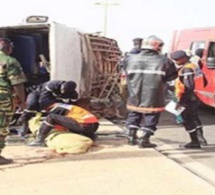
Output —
(153, 43)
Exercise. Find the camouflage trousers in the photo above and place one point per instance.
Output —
(6, 114)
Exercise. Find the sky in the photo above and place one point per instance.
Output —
(126, 19)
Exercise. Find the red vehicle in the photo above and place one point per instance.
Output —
(194, 39)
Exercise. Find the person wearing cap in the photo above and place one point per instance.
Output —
(11, 88)
(147, 74)
(189, 78)
(43, 96)
(137, 42)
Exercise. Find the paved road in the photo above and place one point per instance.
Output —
(110, 167)
(169, 136)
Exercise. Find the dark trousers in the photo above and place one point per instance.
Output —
(146, 121)
(72, 125)
(190, 116)
(32, 106)
(35, 104)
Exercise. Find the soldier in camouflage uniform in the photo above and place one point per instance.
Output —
(11, 85)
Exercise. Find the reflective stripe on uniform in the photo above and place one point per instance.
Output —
(159, 72)
(143, 109)
(30, 111)
(48, 89)
(147, 129)
(198, 127)
(45, 122)
(133, 126)
(87, 116)
(187, 74)
(191, 131)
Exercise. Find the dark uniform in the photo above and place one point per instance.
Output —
(189, 78)
(10, 74)
(44, 96)
(147, 73)
(71, 117)
(137, 42)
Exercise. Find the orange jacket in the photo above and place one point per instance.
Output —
(198, 80)
(75, 112)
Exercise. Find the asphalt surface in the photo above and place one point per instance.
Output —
(170, 136)
(111, 166)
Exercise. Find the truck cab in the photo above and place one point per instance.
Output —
(194, 39)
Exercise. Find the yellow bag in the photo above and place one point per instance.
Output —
(62, 142)
(34, 123)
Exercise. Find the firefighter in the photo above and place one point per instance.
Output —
(147, 74)
(44, 96)
(71, 117)
(11, 82)
(189, 77)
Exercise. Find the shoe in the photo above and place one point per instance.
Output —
(192, 145)
(132, 141)
(37, 143)
(5, 161)
(24, 129)
(201, 138)
(132, 137)
(145, 143)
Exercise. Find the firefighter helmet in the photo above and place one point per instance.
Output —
(153, 43)
(6, 45)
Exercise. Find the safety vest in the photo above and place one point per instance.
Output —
(81, 115)
(198, 79)
(77, 113)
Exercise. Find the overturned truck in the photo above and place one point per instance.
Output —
(66, 53)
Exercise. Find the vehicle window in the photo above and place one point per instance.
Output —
(197, 45)
(211, 51)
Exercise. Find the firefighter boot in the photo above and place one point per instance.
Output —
(5, 161)
(144, 141)
(24, 129)
(200, 137)
(42, 134)
(194, 144)
(132, 137)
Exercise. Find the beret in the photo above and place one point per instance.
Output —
(137, 39)
(178, 55)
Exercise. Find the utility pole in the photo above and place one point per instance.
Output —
(106, 4)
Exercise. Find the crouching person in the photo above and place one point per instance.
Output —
(71, 117)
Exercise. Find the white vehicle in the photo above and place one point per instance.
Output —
(66, 53)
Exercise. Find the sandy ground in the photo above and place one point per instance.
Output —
(109, 167)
